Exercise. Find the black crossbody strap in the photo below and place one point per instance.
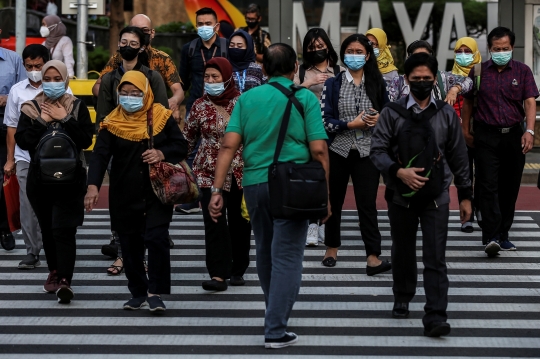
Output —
(286, 115)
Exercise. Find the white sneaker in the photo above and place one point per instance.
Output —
(321, 233)
(312, 239)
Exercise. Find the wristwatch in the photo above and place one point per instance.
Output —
(531, 132)
(216, 190)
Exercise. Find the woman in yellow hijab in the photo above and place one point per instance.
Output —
(385, 61)
(466, 55)
(138, 216)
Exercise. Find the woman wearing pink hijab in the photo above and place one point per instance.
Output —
(56, 41)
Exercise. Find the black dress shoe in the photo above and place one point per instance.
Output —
(7, 241)
(237, 280)
(383, 267)
(437, 329)
(400, 310)
(329, 262)
(215, 285)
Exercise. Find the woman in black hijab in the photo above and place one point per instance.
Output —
(246, 72)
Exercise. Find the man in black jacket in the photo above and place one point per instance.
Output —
(410, 195)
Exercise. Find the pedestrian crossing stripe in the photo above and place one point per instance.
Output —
(494, 309)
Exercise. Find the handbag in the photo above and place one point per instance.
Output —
(13, 205)
(172, 183)
(297, 191)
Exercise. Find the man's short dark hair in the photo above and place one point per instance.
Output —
(35, 51)
(279, 60)
(421, 59)
(254, 9)
(500, 32)
(206, 11)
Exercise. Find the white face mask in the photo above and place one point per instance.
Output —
(44, 31)
(34, 76)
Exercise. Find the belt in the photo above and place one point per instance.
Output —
(490, 128)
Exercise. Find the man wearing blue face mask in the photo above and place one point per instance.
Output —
(505, 94)
(198, 52)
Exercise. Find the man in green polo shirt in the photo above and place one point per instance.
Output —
(255, 123)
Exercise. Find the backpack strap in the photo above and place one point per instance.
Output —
(477, 73)
(223, 46)
(402, 111)
(441, 85)
(301, 74)
(290, 93)
(192, 46)
(37, 106)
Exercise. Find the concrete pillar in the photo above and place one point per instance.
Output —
(512, 16)
(280, 20)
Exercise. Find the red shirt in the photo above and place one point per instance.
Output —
(501, 94)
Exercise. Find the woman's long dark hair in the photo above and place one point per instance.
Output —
(144, 40)
(374, 82)
(311, 36)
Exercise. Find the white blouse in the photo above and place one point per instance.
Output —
(63, 51)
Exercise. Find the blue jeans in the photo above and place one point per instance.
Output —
(280, 251)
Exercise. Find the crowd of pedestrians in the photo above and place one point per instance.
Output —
(421, 131)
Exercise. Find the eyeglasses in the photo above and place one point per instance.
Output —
(133, 44)
(464, 51)
(131, 94)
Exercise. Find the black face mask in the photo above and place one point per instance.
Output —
(147, 39)
(128, 53)
(316, 57)
(236, 55)
(252, 24)
(421, 89)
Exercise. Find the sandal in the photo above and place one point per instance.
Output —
(329, 262)
(115, 269)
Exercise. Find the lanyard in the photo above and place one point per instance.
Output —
(204, 59)
(241, 83)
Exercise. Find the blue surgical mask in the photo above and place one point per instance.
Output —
(215, 89)
(206, 32)
(54, 90)
(354, 62)
(131, 103)
(464, 59)
(376, 51)
(501, 58)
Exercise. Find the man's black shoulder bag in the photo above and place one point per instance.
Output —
(297, 191)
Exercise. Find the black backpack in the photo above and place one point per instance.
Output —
(222, 47)
(417, 147)
(57, 160)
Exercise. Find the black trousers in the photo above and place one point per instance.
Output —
(60, 249)
(499, 167)
(158, 280)
(227, 242)
(404, 227)
(4, 224)
(471, 153)
(365, 178)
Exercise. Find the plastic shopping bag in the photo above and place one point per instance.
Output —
(13, 205)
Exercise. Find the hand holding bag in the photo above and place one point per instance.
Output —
(297, 191)
(172, 183)
(13, 206)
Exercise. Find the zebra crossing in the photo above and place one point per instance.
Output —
(494, 304)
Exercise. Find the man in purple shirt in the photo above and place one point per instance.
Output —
(506, 95)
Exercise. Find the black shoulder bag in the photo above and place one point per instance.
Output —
(297, 191)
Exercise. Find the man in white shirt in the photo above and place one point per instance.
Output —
(18, 161)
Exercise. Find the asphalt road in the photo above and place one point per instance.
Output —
(494, 304)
